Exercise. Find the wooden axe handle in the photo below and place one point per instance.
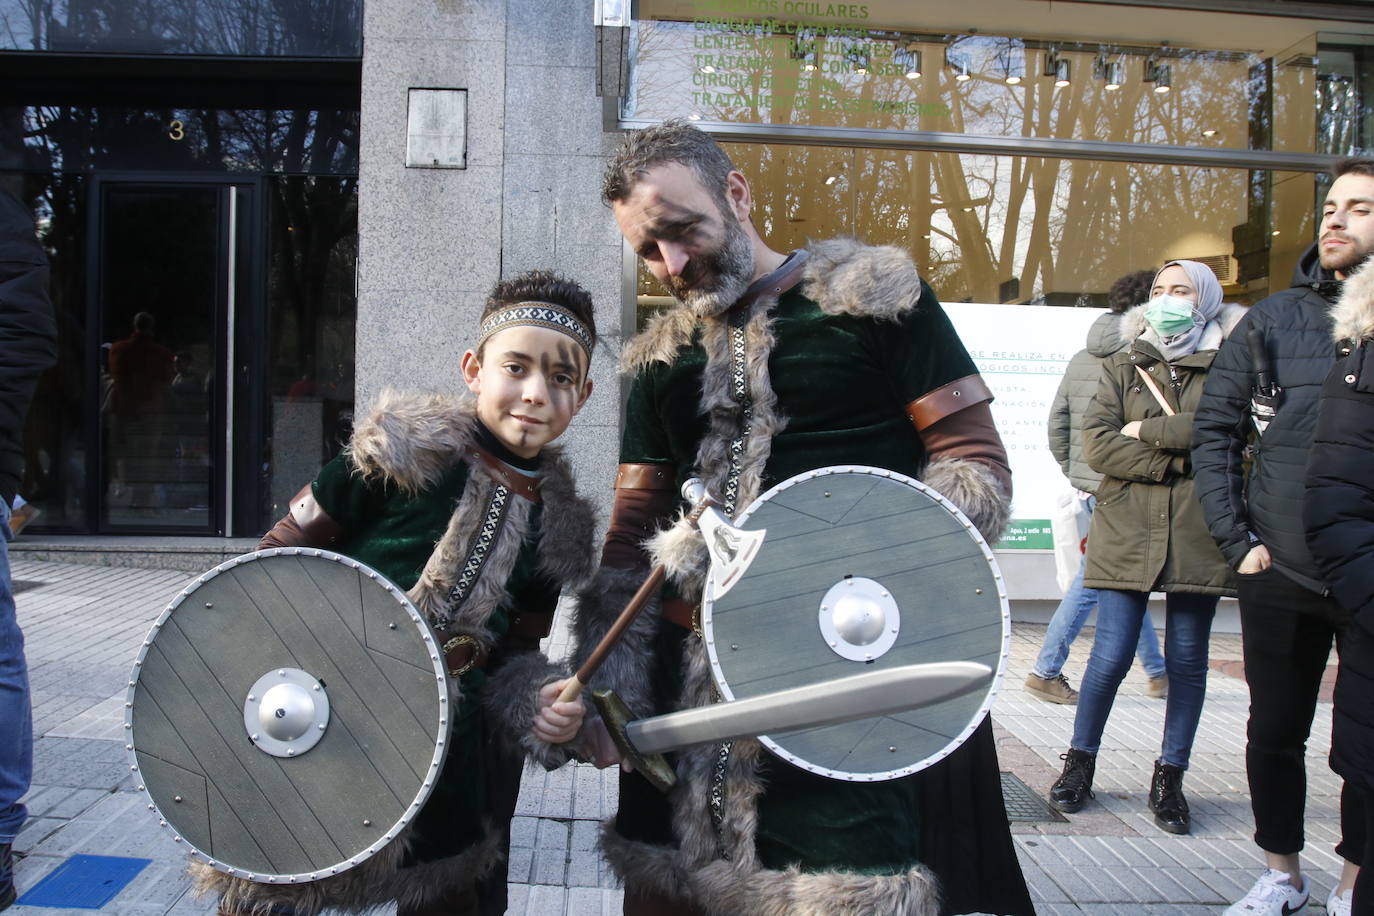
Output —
(573, 689)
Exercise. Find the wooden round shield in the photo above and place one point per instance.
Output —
(288, 715)
(861, 567)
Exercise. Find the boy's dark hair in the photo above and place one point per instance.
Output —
(1353, 165)
(542, 286)
(674, 140)
(1131, 290)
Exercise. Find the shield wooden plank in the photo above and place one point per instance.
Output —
(861, 567)
(333, 759)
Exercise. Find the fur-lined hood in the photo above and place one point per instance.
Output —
(1353, 314)
(843, 276)
(1133, 325)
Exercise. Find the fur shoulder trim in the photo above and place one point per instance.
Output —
(666, 333)
(1353, 315)
(568, 547)
(846, 277)
(412, 439)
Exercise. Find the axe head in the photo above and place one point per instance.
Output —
(732, 549)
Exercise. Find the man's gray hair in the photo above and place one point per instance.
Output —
(672, 141)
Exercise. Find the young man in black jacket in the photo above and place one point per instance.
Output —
(28, 338)
(1288, 620)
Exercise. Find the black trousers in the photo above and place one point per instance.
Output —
(1286, 635)
(1364, 884)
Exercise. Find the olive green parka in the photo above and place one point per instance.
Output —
(1148, 532)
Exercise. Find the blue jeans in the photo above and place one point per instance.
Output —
(16, 720)
(1078, 602)
(1187, 630)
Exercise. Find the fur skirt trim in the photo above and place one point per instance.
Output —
(722, 888)
(971, 486)
(376, 883)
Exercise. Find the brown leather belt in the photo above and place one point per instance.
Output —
(681, 612)
(464, 653)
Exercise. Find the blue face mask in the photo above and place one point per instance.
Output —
(1169, 315)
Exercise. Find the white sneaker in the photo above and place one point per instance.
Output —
(1272, 895)
(1339, 904)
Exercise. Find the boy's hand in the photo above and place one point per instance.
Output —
(557, 723)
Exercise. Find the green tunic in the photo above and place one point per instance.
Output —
(394, 532)
(842, 382)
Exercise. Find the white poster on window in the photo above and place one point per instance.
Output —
(1022, 351)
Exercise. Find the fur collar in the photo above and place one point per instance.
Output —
(844, 277)
(1353, 315)
(1133, 325)
(412, 439)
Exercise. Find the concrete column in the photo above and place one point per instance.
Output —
(432, 242)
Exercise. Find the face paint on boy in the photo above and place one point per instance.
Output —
(530, 382)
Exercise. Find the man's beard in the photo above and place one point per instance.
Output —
(716, 280)
(1347, 259)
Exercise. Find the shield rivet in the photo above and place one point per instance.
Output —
(892, 748)
(734, 648)
(391, 626)
(177, 799)
(978, 591)
(827, 495)
(209, 604)
(128, 747)
(152, 807)
(367, 822)
(252, 699)
(281, 672)
(290, 752)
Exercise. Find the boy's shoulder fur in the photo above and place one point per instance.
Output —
(412, 439)
(843, 276)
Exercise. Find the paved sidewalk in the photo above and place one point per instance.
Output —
(84, 625)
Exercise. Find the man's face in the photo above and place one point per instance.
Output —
(530, 383)
(696, 249)
(1347, 235)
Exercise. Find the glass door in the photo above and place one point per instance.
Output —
(163, 299)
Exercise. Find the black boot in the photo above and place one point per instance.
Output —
(1166, 798)
(7, 894)
(1074, 786)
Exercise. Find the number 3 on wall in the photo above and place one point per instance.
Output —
(176, 130)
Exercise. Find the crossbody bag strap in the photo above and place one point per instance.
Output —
(1154, 390)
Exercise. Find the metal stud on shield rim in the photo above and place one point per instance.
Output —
(862, 567)
(288, 715)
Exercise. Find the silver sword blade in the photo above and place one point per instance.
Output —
(860, 696)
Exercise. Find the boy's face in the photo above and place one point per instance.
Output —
(529, 384)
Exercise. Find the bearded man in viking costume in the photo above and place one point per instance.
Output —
(468, 506)
(768, 366)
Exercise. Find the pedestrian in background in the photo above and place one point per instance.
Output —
(1338, 512)
(1046, 680)
(1148, 532)
(1287, 619)
(28, 345)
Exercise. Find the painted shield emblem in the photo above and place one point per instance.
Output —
(862, 568)
(288, 715)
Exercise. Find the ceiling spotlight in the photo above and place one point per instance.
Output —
(1115, 76)
(831, 179)
(1058, 68)
(959, 64)
(1011, 56)
(1158, 74)
(708, 69)
(1275, 232)
(908, 61)
(1013, 80)
(694, 117)
(1210, 132)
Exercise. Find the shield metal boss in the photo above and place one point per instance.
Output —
(861, 567)
(288, 715)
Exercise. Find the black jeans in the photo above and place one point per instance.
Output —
(1286, 634)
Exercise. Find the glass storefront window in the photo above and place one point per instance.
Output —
(850, 77)
(1041, 231)
(252, 28)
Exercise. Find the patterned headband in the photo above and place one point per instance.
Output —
(541, 315)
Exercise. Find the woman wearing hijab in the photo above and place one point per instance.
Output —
(1148, 533)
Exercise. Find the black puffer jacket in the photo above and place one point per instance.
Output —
(28, 334)
(1339, 515)
(1268, 510)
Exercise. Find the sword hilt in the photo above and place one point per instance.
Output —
(616, 715)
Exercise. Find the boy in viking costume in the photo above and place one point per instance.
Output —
(467, 506)
(771, 365)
